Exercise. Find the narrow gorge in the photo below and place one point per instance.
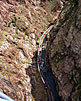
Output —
(22, 23)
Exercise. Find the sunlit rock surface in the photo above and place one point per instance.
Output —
(21, 24)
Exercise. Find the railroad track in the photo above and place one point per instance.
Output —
(46, 75)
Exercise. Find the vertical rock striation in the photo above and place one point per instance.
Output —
(64, 51)
(21, 24)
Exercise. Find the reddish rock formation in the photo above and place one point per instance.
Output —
(64, 51)
(21, 23)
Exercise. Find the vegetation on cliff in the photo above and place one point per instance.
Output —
(64, 51)
(21, 24)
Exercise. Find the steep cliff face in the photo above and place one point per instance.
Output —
(21, 24)
(64, 51)
(18, 36)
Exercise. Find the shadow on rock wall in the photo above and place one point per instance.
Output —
(38, 90)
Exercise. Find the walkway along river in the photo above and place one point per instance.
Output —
(45, 72)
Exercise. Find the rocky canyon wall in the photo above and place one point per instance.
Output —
(20, 27)
(64, 51)
(21, 24)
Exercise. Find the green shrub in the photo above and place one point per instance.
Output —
(16, 31)
(14, 24)
(26, 33)
(15, 17)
